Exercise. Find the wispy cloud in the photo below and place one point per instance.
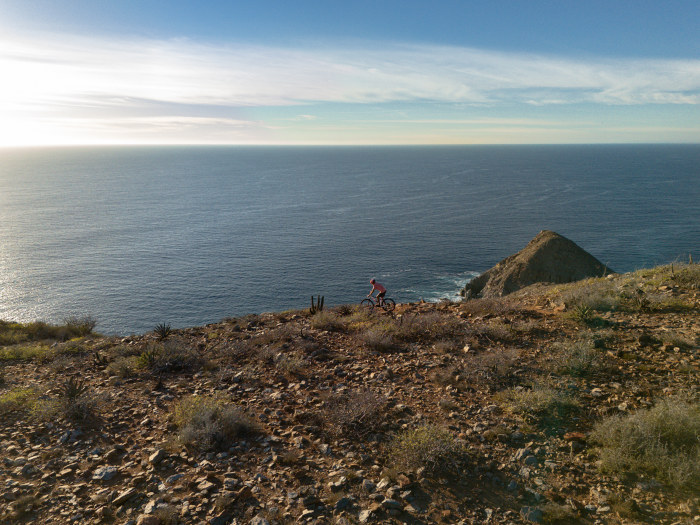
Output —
(79, 70)
(173, 82)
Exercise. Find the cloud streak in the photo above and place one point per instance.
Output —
(74, 71)
(175, 82)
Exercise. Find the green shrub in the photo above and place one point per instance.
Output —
(148, 357)
(80, 326)
(661, 441)
(12, 333)
(428, 447)
(210, 423)
(25, 352)
(18, 399)
(541, 405)
(124, 366)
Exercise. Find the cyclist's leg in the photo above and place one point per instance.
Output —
(380, 298)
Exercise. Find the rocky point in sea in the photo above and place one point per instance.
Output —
(548, 258)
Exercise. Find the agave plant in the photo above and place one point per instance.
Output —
(74, 388)
(162, 331)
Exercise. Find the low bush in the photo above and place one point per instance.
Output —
(378, 339)
(428, 447)
(18, 399)
(80, 326)
(424, 327)
(289, 363)
(598, 295)
(357, 413)
(577, 358)
(489, 306)
(541, 405)
(674, 338)
(210, 423)
(661, 441)
(75, 402)
(25, 352)
(497, 331)
(490, 369)
(12, 333)
(170, 356)
(686, 275)
(124, 366)
(327, 320)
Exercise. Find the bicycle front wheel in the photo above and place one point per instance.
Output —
(367, 304)
(389, 305)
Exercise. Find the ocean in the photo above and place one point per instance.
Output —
(188, 235)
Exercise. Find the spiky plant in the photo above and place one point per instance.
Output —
(73, 388)
(163, 331)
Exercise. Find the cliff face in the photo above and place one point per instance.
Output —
(548, 258)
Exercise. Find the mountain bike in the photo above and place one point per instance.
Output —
(370, 303)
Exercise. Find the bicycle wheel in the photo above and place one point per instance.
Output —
(367, 304)
(389, 305)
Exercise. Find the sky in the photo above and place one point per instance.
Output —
(327, 72)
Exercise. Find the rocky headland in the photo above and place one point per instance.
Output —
(557, 403)
(548, 258)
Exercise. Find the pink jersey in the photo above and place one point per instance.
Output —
(379, 287)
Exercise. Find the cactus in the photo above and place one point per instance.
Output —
(318, 306)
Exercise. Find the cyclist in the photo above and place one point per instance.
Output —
(380, 289)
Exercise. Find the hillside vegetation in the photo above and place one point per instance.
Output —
(571, 403)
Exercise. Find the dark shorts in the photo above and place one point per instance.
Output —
(381, 295)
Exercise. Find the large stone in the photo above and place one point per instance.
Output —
(147, 519)
(548, 258)
(532, 514)
(158, 456)
(104, 473)
(124, 496)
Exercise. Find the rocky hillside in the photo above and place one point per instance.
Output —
(573, 403)
(548, 258)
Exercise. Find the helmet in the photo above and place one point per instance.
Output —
(371, 281)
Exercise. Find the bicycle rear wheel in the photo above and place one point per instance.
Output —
(389, 305)
(368, 304)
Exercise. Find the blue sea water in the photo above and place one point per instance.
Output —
(136, 236)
